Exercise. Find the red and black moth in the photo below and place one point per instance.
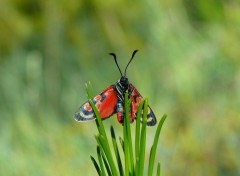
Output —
(111, 101)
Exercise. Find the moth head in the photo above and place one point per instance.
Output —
(124, 80)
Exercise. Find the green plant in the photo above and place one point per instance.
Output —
(133, 165)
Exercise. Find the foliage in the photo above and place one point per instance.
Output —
(188, 65)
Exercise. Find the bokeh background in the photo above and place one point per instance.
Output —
(188, 65)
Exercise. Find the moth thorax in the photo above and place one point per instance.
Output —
(120, 90)
(123, 86)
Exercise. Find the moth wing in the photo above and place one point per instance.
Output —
(136, 98)
(105, 103)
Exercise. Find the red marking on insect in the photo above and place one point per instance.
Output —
(87, 107)
(111, 101)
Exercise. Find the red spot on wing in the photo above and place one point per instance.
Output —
(87, 107)
(136, 98)
(106, 102)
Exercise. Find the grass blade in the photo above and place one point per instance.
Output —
(88, 88)
(106, 165)
(100, 161)
(126, 150)
(137, 134)
(143, 139)
(158, 169)
(99, 123)
(106, 149)
(122, 143)
(96, 166)
(129, 165)
(115, 147)
(103, 139)
(154, 146)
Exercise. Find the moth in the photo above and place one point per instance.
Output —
(111, 100)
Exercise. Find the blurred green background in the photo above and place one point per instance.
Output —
(188, 65)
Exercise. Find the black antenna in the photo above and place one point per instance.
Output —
(115, 58)
(133, 54)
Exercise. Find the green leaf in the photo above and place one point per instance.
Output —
(158, 169)
(100, 161)
(96, 165)
(143, 139)
(154, 146)
(106, 165)
(129, 165)
(106, 149)
(137, 134)
(99, 123)
(122, 143)
(115, 147)
(88, 88)
(103, 140)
